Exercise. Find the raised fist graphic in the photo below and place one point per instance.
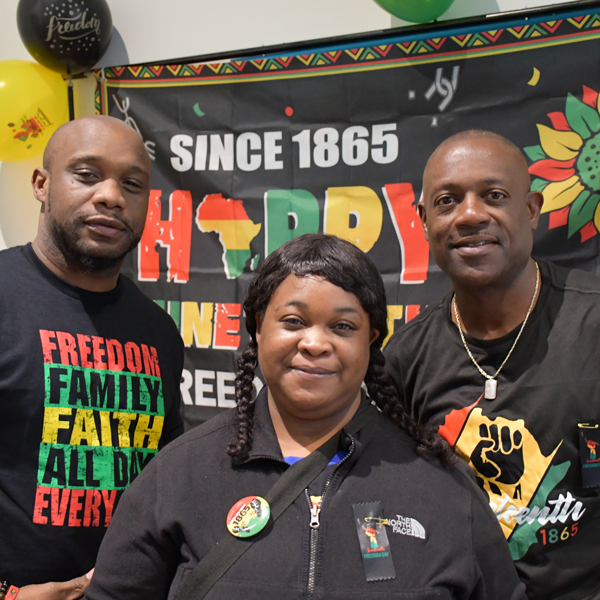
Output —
(498, 457)
(507, 460)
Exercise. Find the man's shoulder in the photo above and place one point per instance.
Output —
(11, 257)
(573, 280)
(424, 324)
(144, 310)
(144, 304)
(18, 273)
(129, 287)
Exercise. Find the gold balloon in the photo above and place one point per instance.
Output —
(33, 104)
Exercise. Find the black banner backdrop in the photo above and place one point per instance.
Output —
(249, 153)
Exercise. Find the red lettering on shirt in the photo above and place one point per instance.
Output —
(47, 345)
(68, 349)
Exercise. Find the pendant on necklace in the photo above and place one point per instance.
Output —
(491, 386)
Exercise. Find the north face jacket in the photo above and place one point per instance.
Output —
(175, 512)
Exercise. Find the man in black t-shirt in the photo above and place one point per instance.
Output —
(89, 367)
(507, 366)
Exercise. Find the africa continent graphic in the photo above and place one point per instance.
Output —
(229, 219)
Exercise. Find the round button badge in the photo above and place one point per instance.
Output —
(248, 516)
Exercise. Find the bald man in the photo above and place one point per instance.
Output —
(89, 367)
(507, 366)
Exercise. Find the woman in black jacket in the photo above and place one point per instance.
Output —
(390, 516)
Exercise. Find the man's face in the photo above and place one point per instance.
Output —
(478, 213)
(96, 194)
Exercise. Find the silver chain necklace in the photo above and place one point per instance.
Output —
(491, 383)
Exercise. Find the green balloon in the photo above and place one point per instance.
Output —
(417, 11)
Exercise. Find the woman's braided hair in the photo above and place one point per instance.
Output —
(344, 265)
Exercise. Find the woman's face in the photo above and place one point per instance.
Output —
(313, 347)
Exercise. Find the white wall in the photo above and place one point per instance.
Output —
(161, 30)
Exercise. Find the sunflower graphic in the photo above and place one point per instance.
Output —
(566, 165)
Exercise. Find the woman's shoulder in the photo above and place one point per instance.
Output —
(210, 434)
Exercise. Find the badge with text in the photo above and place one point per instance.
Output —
(248, 516)
(589, 449)
(374, 544)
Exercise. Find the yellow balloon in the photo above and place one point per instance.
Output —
(33, 105)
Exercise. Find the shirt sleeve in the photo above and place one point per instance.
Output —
(495, 574)
(392, 368)
(173, 425)
(138, 557)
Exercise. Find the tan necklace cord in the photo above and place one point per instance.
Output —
(491, 384)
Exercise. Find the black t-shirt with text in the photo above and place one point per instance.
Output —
(89, 391)
(523, 446)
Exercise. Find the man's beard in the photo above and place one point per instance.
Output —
(88, 262)
(66, 240)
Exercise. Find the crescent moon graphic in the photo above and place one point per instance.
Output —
(534, 78)
(198, 110)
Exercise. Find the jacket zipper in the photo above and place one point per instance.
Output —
(315, 512)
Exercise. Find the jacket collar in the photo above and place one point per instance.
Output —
(265, 443)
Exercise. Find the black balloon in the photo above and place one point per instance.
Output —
(68, 36)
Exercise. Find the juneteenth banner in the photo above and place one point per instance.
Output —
(249, 153)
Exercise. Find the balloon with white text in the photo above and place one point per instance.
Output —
(68, 36)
